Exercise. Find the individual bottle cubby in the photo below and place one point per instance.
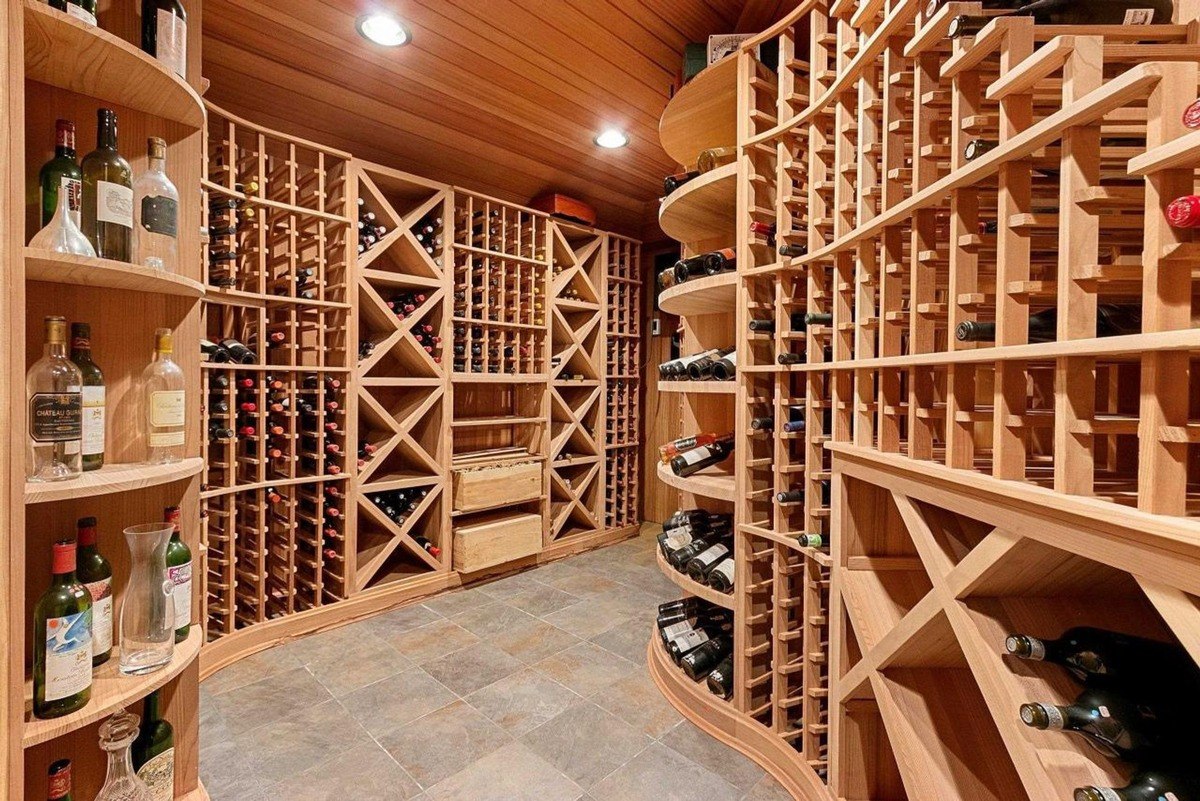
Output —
(788, 631)
(622, 371)
(218, 518)
(490, 226)
(755, 655)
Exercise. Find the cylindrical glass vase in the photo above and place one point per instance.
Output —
(147, 610)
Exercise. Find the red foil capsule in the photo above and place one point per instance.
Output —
(1184, 212)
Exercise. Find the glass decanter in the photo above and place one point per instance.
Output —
(147, 609)
(61, 234)
(121, 784)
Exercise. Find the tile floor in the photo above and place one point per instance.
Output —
(530, 687)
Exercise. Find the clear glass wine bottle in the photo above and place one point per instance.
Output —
(163, 390)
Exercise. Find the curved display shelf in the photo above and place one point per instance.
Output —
(712, 482)
(112, 478)
(712, 294)
(64, 52)
(64, 268)
(699, 387)
(718, 718)
(702, 114)
(110, 691)
(693, 587)
(703, 208)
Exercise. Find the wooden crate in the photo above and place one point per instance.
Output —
(488, 487)
(496, 538)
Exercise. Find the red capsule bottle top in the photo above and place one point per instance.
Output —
(1184, 212)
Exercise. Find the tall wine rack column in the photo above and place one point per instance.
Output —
(622, 381)
(402, 510)
(577, 351)
(275, 415)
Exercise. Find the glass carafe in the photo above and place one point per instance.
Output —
(121, 783)
(61, 234)
(147, 609)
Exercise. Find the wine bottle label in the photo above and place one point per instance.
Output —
(81, 13)
(166, 408)
(114, 204)
(171, 42)
(160, 215)
(696, 455)
(1139, 16)
(181, 577)
(713, 555)
(725, 569)
(159, 775)
(102, 615)
(1109, 794)
(68, 655)
(93, 420)
(679, 539)
(690, 639)
(74, 189)
(677, 629)
(56, 416)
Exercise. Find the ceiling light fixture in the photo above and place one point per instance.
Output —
(612, 139)
(383, 29)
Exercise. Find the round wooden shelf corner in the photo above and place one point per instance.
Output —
(712, 294)
(718, 718)
(702, 114)
(110, 691)
(699, 387)
(703, 208)
(686, 584)
(65, 268)
(708, 483)
(112, 478)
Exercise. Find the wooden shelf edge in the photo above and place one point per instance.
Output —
(699, 387)
(112, 478)
(703, 208)
(710, 97)
(685, 583)
(720, 486)
(110, 692)
(66, 268)
(712, 294)
(720, 720)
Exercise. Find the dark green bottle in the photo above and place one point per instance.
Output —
(58, 784)
(153, 751)
(179, 572)
(62, 170)
(107, 216)
(62, 640)
(95, 573)
(94, 398)
(1146, 785)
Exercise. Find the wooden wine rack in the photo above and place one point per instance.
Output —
(969, 488)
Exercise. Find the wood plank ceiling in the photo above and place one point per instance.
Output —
(500, 96)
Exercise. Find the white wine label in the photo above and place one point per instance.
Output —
(725, 569)
(181, 577)
(1139, 16)
(160, 215)
(93, 420)
(56, 416)
(102, 615)
(1103, 710)
(713, 554)
(114, 204)
(690, 639)
(80, 13)
(166, 408)
(696, 454)
(1167, 796)
(74, 189)
(675, 629)
(159, 775)
(171, 42)
(677, 541)
(1109, 794)
(68, 655)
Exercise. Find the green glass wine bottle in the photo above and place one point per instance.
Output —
(95, 572)
(58, 781)
(61, 172)
(179, 573)
(94, 398)
(154, 750)
(62, 640)
(107, 219)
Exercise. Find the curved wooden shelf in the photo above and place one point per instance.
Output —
(719, 719)
(692, 587)
(712, 294)
(64, 52)
(110, 691)
(703, 208)
(712, 482)
(702, 114)
(64, 268)
(699, 387)
(112, 478)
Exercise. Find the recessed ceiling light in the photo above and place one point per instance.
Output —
(383, 29)
(612, 139)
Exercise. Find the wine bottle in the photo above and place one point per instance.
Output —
(156, 212)
(238, 353)
(107, 205)
(166, 408)
(1147, 785)
(790, 358)
(720, 261)
(672, 449)
(697, 459)
(1184, 212)
(673, 182)
(793, 251)
(790, 496)
(54, 389)
(701, 369)
(92, 395)
(714, 157)
(684, 606)
(82, 10)
(725, 368)
(1090, 654)
(762, 326)
(686, 269)
(699, 566)
(1068, 12)
(685, 643)
(680, 557)
(762, 424)
(720, 578)
(720, 679)
(62, 640)
(179, 573)
(95, 573)
(153, 750)
(164, 34)
(1110, 722)
(58, 783)
(213, 352)
(1111, 320)
(976, 148)
(700, 661)
(61, 173)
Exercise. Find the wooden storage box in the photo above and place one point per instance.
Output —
(487, 487)
(496, 538)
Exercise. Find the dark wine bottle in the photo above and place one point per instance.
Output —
(1070, 12)
(811, 540)
(58, 781)
(700, 661)
(679, 558)
(1110, 722)
(793, 251)
(153, 751)
(762, 424)
(107, 206)
(673, 182)
(1147, 785)
(95, 573)
(720, 578)
(790, 496)
(1111, 320)
(685, 643)
(720, 261)
(699, 566)
(214, 352)
(164, 33)
(720, 679)
(686, 269)
(61, 173)
(179, 573)
(94, 399)
(976, 148)
(762, 326)
(62, 640)
(697, 459)
(238, 353)
(1114, 659)
(725, 368)
(790, 358)
(701, 369)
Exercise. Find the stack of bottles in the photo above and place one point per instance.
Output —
(689, 455)
(715, 364)
(698, 636)
(714, 263)
(700, 544)
(397, 505)
(370, 230)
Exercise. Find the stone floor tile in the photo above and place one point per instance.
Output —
(586, 743)
(635, 700)
(269, 699)
(627, 640)
(444, 742)
(660, 774)
(364, 773)
(250, 669)
(585, 668)
(542, 601)
(472, 668)
(533, 640)
(491, 619)
(390, 703)
(711, 753)
(523, 701)
(372, 660)
(431, 641)
(767, 789)
(513, 773)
